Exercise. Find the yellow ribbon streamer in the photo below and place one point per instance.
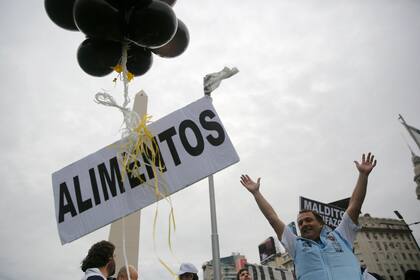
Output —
(141, 143)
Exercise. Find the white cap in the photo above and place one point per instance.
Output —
(187, 268)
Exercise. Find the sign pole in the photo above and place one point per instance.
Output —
(210, 83)
(214, 235)
(131, 224)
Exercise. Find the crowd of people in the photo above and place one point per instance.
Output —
(319, 253)
(99, 264)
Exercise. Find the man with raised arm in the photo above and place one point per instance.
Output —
(320, 253)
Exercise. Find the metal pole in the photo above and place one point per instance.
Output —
(214, 234)
(210, 83)
(217, 275)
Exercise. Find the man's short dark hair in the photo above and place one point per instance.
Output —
(316, 214)
(412, 274)
(240, 271)
(99, 255)
(377, 276)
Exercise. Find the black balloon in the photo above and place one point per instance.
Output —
(99, 19)
(139, 60)
(177, 45)
(169, 2)
(98, 57)
(61, 13)
(125, 5)
(152, 26)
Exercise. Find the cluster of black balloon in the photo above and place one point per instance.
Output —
(149, 26)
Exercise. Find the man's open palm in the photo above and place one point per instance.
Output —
(367, 164)
(249, 184)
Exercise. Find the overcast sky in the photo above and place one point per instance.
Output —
(320, 83)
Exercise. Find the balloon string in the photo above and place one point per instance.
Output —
(127, 125)
(125, 73)
(140, 143)
(131, 118)
(125, 249)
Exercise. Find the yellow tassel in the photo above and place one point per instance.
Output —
(119, 69)
(145, 144)
(130, 76)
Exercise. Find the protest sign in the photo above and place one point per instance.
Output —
(332, 215)
(263, 272)
(95, 191)
(267, 249)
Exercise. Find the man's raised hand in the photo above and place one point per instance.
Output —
(249, 184)
(367, 164)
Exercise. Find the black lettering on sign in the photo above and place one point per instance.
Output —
(209, 125)
(82, 205)
(111, 180)
(167, 136)
(63, 208)
(159, 162)
(135, 179)
(149, 168)
(198, 149)
(94, 186)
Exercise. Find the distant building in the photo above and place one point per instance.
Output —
(415, 134)
(386, 247)
(229, 266)
(416, 162)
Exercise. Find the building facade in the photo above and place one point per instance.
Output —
(416, 164)
(228, 267)
(386, 247)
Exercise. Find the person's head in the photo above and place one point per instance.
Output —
(310, 224)
(100, 255)
(187, 271)
(243, 274)
(122, 274)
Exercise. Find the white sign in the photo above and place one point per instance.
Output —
(93, 191)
